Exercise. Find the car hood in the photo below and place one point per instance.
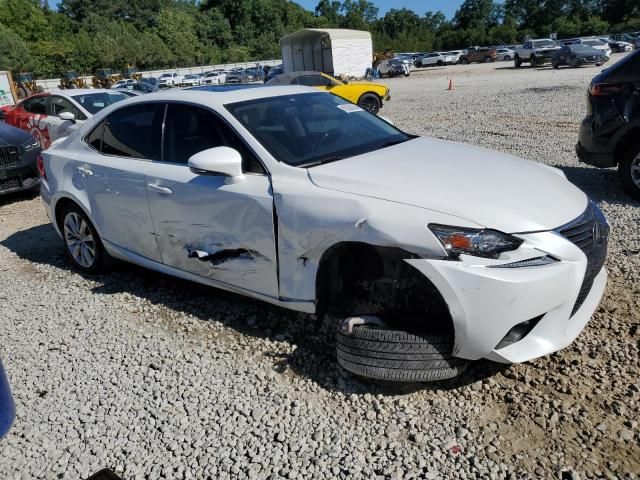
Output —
(367, 84)
(11, 135)
(491, 189)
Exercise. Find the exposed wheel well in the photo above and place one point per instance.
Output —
(358, 278)
(625, 142)
(59, 208)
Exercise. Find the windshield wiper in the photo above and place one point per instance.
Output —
(322, 161)
(390, 143)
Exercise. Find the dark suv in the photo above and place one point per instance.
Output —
(610, 133)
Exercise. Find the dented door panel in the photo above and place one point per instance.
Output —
(214, 228)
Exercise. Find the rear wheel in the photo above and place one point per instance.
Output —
(370, 102)
(488, 59)
(384, 354)
(629, 171)
(82, 243)
(439, 63)
(507, 58)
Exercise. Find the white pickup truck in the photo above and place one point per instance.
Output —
(536, 52)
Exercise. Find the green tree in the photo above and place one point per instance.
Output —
(14, 53)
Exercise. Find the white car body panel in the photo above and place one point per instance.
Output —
(270, 232)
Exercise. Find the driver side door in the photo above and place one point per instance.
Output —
(208, 224)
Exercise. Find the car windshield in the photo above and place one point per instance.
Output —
(94, 102)
(592, 42)
(165, 75)
(310, 129)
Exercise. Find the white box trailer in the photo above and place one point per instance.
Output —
(338, 52)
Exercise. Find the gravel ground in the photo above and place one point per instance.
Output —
(159, 378)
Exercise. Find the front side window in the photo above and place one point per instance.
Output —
(61, 104)
(94, 102)
(314, 128)
(131, 132)
(189, 130)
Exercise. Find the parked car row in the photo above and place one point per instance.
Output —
(213, 77)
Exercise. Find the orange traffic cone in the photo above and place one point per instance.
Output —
(451, 87)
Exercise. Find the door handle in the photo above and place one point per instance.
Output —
(85, 172)
(159, 189)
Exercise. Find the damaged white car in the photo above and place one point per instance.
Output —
(430, 253)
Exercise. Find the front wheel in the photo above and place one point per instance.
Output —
(507, 58)
(629, 171)
(555, 64)
(370, 102)
(394, 355)
(517, 62)
(82, 244)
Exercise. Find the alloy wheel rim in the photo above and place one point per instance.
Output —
(635, 170)
(369, 105)
(79, 240)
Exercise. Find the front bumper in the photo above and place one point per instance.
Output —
(487, 303)
(16, 179)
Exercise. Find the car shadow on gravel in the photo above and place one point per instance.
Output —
(9, 198)
(301, 345)
(600, 184)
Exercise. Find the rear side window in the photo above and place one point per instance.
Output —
(37, 105)
(130, 132)
(189, 130)
(626, 70)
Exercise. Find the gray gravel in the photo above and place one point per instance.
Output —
(159, 378)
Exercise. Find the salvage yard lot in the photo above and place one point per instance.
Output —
(159, 378)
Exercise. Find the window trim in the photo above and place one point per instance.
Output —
(166, 103)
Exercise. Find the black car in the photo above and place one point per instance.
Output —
(609, 133)
(240, 76)
(19, 153)
(577, 55)
(273, 72)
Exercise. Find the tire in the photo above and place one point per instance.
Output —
(439, 63)
(370, 102)
(507, 58)
(398, 356)
(80, 255)
(488, 60)
(629, 171)
(555, 64)
(534, 61)
(464, 61)
(517, 62)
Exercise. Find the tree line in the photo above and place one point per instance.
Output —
(85, 35)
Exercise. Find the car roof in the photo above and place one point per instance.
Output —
(287, 77)
(219, 97)
(80, 91)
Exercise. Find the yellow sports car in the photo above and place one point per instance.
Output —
(366, 95)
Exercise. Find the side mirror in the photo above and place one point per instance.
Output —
(221, 161)
(67, 117)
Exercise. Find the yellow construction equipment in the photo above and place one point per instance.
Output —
(71, 80)
(104, 78)
(131, 72)
(26, 85)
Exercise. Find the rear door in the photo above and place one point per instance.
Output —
(31, 115)
(206, 224)
(112, 171)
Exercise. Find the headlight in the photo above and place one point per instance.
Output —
(30, 144)
(480, 243)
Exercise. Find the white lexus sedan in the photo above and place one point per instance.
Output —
(427, 253)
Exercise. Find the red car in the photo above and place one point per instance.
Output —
(49, 116)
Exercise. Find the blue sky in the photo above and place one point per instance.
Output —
(448, 7)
